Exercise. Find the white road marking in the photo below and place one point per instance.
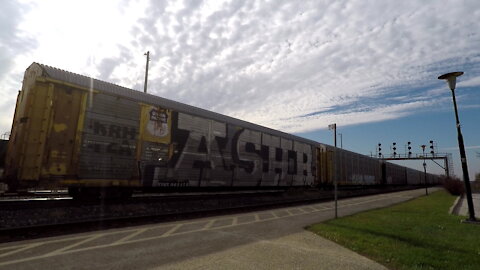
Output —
(289, 212)
(9, 248)
(208, 226)
(130, 236)
(172, 230)
(61, 250)
(21, 249)
(301, 210)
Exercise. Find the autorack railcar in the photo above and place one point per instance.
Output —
(88, 135)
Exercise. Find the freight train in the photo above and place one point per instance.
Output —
(93, 137)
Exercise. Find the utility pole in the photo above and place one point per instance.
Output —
(146, 71)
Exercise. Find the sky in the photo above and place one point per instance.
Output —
(371, 67)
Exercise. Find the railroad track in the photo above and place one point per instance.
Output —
(27, 219)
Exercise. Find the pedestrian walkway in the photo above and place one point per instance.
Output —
(463, 205)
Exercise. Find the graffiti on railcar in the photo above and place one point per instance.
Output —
(120, 140)
(362, 179)
(108, 150)
(210, 152)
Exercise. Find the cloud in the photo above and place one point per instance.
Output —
(14, 44)
(270, 64)
(472, 82)
(290, 65)
(13, 41)
(350, 115)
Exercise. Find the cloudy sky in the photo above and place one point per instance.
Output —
(297, 66)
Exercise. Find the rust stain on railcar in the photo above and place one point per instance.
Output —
(30, 129)
(325, 165)
(59, 148)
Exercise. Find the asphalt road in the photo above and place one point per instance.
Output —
(272, 239)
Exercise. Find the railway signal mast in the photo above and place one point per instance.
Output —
(446, 157)
(425, 168)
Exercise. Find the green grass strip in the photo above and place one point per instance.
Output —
(418, 234)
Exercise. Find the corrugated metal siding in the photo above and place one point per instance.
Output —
(271, 178)
(109, 138)
(252, 175)
(221, 173)
(395, 174)
(153, 164)
(146, 98)
(193, 162)
(118, 106)
(413, 177)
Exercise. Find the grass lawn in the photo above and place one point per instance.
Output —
(419, 234)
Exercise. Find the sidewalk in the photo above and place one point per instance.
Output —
(462, 207)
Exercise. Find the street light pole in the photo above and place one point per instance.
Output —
(451, 80)
(334, 127)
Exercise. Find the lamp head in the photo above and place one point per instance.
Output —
(451, 78)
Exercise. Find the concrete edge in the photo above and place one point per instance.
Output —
(456, 205)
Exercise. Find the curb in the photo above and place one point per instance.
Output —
(456, 205)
